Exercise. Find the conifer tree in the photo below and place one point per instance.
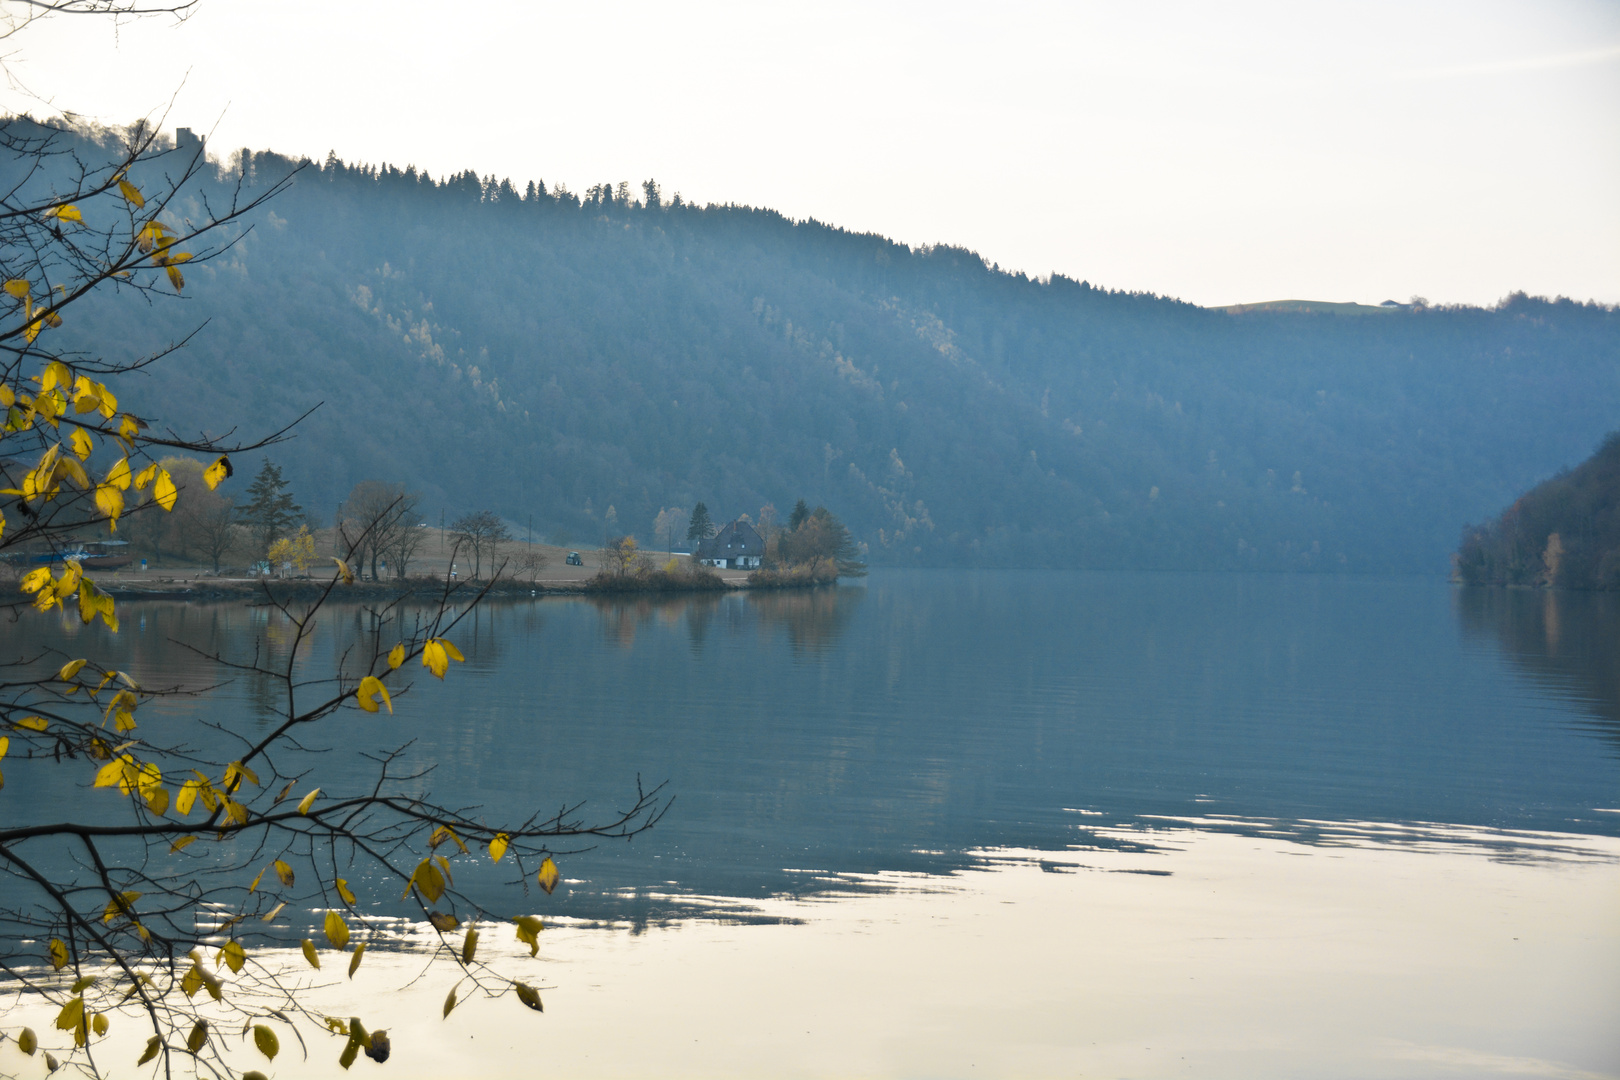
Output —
(270, 508)
(701, 527)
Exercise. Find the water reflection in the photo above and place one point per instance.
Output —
(1568, 644)
(904, 725)
(812, 620)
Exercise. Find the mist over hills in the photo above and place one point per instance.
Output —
(544, 353)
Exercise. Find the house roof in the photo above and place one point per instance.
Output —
(737, 539)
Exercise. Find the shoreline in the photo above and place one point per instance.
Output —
(249, 589)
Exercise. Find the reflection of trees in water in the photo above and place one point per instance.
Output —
(623, 615)
(1563, 640)
(813, 618)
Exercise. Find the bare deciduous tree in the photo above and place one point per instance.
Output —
(380, 520)
(479, 532)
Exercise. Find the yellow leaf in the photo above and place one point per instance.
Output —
(396, 656)
(344, 891)
(371, 688)
(428, 879)
(528, 932)
(348, 579)
(118, 475)
(337, 931)
(232, 956)
(164, 492)
(497, 846)
(255, 886)
(443, 921)
(434, 658)
(442, 834)
(119, 905)
(266, 1041)
(153, 1045)
(35, 580)
(437, 654)
(307, 801)
(157, 801)
(145, 476)
(528, 995)
(186, 798)
(112, 772)
(71, 1015)
(176, 278)
(70, 468)
(59, 954)
(181, 844)
(236, 771)
(65, 212)
(198, 1036)
(30, 723)
(131, 193)
(310, 954)
(469, 947)
(100, 1024)
(449, 1001)
(27, 1042)
(354, 962)
(273, 912)
(18, 288)
(284, 872)
(70, 669)
(548, 875)
(82, 446)
(110, 501)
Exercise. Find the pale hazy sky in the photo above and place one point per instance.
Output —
(1219, 152)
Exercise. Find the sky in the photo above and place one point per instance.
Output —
(1221, 153)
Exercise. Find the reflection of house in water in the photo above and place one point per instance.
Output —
(1565, 642)
(738, 546)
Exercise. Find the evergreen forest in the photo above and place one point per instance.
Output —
(550, 355)
(1563, 533)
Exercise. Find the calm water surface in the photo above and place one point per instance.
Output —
(824, 747)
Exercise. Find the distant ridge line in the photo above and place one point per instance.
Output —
(1315, 307)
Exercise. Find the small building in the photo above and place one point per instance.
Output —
(738, 546)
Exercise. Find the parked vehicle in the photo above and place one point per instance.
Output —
(574, 559)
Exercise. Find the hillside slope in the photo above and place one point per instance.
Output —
(1563, 533)
(542, 354)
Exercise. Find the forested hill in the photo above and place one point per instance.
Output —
(539, 353)
(1563, 533)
